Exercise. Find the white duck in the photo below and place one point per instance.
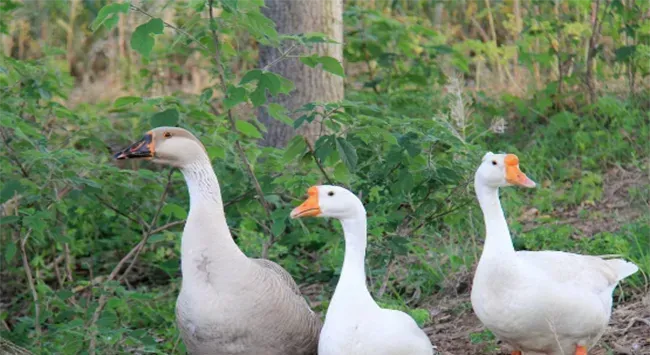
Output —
(228, 304)
(540, 302)
(354, 323)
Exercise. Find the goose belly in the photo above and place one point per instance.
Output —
(215, 325)
(539, 320)
(368, 337)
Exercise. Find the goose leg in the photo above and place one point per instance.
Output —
(581, 350)
(515, 352)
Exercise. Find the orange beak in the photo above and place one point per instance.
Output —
(309, 208)
(514, 175)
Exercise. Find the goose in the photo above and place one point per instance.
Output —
(354, 323)
(228, 303)
(540, 302)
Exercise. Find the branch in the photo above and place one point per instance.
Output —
(133, 253)
(148, 233)
(231, 119)
(320, 166)
(118, 211)
(283, 55)
(32, 286)
(13, 154)
(169, 25)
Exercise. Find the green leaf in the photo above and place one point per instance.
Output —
(324, 146)
(215, 152)
(286, 85)
(332, 65)
(347, 153)
(197, 5)
(11, 188)
(625, 53)
(295, 148)
(10, 251)
(271, 82)
(229, 5)
(142, 39)
(126, 101)
(109, 15)
(168, 117)
(234, 96)
(9, 219)
(258, 97)
(172, 209)
(247, 129)
(310, 61)
(278, 112)
(251, 75)
(206, 95)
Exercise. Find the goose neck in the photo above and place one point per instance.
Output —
(353, 274)
(207, 247)
(497, 241)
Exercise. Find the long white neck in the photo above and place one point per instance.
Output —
(497, 240)
(207, 248)
(352, 288)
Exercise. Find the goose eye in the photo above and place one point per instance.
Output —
(167, 135)
(331, 193)
(494, 162)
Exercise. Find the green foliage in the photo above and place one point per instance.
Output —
(142, 39)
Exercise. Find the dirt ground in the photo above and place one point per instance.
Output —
(628, 332)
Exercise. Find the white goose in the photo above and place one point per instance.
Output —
(354, 323)
(541, 302)
(228, 304)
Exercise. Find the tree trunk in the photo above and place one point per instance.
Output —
(312, 84)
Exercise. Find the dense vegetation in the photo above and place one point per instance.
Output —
(90, 247)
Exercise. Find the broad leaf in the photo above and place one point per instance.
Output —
(126, 101)
(234, 96)
(109, 15)
(168, 117)
(332, 65)
(347, 153)
(278, 112)
(248, 129)
(142, 39)
(10, 251)
(251, 75)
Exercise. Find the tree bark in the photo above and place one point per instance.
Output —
(312, 84)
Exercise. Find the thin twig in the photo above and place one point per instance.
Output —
(320, 166)
(231, 119)
(13, 155)
(32, 286)
(283, 55)
(133, 253)
(148, 233)
(169, 25)
(120, 212)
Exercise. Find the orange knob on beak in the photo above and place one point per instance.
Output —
(309, 208)
(514, 175)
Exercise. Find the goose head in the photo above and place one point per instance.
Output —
(501, 170)
(330, 201)
(165, 145)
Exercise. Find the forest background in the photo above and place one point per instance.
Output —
(397, 100)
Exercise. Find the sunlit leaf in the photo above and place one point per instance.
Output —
(248, 129)
(109, 15)
(142, 39)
